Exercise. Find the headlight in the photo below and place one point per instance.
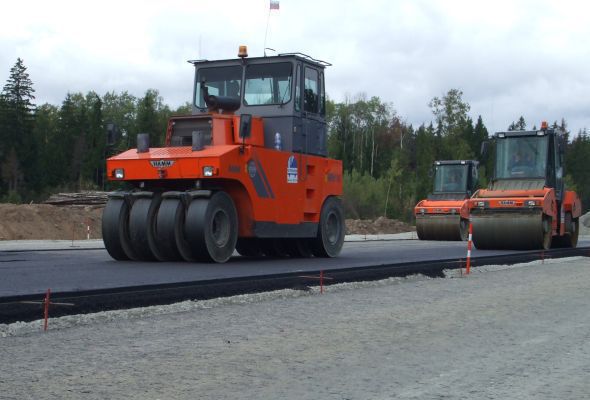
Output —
(422, 210)
(531, 203)
(119, 173)
(481, 204)
(208, 171)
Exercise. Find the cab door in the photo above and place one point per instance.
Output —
(313, 115)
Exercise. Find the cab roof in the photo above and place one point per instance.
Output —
(282, 56)
(540, 132)
(455, 162)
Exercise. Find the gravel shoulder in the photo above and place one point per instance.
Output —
(501, 333)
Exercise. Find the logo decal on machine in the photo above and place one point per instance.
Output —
(162, 163)
(292, 170)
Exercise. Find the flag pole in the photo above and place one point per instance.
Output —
(266, 33)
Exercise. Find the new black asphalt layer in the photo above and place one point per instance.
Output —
(32, 272)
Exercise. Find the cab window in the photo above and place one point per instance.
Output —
(220, 81)
(322, 95)
(268, 84)
(298, 89)
(311, 91)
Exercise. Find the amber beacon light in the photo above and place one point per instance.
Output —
(243, 51)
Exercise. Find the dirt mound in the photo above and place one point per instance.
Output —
(44, 221)
(381, 225)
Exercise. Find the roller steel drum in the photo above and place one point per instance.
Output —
(441, 227)
(510, 230)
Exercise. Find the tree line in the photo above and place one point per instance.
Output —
(50, 148)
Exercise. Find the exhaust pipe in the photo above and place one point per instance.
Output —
(143, 142)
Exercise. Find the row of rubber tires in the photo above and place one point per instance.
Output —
(146, 226)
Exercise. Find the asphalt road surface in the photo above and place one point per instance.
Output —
(32, 272)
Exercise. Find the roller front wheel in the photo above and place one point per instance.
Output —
(211, 227)
(168, 229)
(115, 229)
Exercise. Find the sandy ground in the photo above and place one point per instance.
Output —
(44, 221)
(508, 333)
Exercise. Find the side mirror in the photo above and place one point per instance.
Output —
(245, 125)
(485, 145)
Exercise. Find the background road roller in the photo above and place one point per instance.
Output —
(247, 171)
(526, 205)
(444, 215)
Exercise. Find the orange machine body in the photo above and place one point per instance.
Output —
(276, 193)
(444, 214)
(526, 205)
(248, 171)
(442, 207)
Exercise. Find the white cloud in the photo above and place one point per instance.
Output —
(508, 57)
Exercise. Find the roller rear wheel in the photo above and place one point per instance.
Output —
(330, 237)
(570, 238)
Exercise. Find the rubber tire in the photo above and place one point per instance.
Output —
(573, 236)
(169, 223)
(569, 239)
(142, 221)
(330, 237)
(211, 228)
(115, 230)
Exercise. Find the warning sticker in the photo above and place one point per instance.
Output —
(292, 170)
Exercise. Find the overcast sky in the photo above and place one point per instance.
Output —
(509, 58)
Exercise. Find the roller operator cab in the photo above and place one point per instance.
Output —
(444, 215)
(526, 205)
(247, 171)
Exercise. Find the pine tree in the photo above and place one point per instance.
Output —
(519, 125)
(93, 163)
(47, 135)
(17, 119)
(147, 117)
